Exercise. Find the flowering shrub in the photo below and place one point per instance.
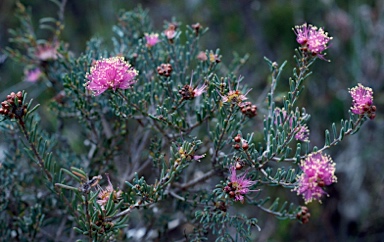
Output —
(168, 124)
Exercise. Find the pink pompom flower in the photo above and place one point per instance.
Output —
(111, 73)
(312, 39)
(362, 100)
(318, 171)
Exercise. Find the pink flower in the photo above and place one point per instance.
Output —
(170, 32)
(202, 56)
(152, 39)
(302, 133)
(238, 186)
(104, 195)
(46, 52)
(312, 39)
(32, 75)
(362, 99)
(318, 171)
(111, 73)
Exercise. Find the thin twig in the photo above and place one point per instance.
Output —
(197, 180)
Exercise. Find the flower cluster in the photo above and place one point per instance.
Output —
(312, 39)
(238, 186)
(164, 70)
(13, 106)
(248, 109)
(111, 73)
(362, 101)
(318, 171)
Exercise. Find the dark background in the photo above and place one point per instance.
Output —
(355, 209)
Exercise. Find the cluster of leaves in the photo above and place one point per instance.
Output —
(150, 139)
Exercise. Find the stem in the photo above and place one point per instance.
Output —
(192, 183)
(270, 108)
(290, 216)
(34, 150)
(88, 218)
(348, 132)
(125, 212)
(223, 131)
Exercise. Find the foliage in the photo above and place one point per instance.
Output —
(174, 141)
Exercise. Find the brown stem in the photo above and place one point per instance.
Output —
(196, 181)
(34, 150)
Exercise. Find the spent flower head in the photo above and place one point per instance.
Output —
(112, 73)
(105, 194)
(238, 186)
(362, 100)
(312, 39)
(318, 171)
(187, 92)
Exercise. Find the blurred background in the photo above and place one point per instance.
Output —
(355, 209)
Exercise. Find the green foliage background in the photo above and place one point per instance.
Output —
(354, 209)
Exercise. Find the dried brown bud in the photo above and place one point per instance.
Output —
(164, 70)
(372, 116)
(248, 109)
(187, 92)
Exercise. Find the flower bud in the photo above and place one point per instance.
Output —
(237, 138)
(245, 145)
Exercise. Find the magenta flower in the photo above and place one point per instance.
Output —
(311, 38)
(46, 52)
(318, 171)
(302, 133)
(152, 39)
(238, 186)
(104, 195)
(33, 75)
(111, 73)
(362, 99)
